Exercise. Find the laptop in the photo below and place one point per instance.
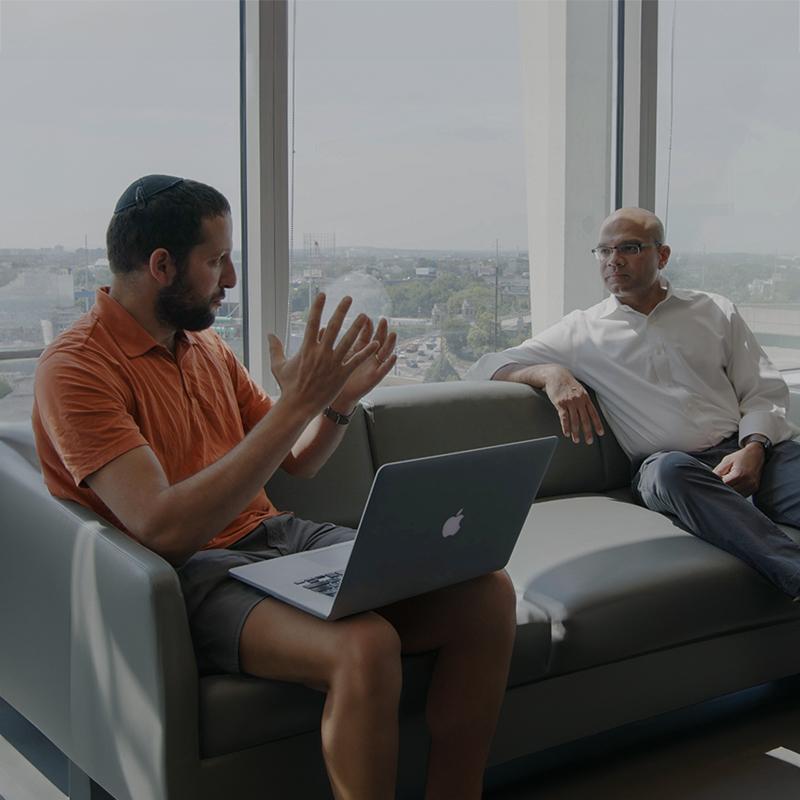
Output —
(428, 523)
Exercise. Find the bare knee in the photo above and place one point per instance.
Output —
(501, 595)
(490, 605)
(367, 662)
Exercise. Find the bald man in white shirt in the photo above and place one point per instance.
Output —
(688, 392)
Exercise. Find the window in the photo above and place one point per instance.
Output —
(95, 94)
(728, 126)
(407, 174)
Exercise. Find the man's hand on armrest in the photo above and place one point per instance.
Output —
(576, 411)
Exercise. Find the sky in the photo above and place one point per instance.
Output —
(409, 124)
(95, 94)
(407, 118)
(735, 144)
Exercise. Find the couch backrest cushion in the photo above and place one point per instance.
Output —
(411, 421)
(339, 491)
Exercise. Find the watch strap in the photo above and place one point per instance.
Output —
(764, 441)
(335, 416)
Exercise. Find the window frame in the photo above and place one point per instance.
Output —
(574, 178)
(265, 180)
(568, 170)
(568, 57)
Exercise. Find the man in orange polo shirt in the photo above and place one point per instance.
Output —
(143, 414)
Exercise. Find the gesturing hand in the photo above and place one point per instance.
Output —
(573, 404)
(315, 375)
(372, 371)
(741, 470)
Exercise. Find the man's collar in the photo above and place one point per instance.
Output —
(127, 332)
(680, 294)
(611, 305)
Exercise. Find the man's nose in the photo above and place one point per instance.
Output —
(228, 278)
(615, 259)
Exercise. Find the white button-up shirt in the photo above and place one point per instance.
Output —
(684, 377)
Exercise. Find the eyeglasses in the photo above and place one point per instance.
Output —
(604, 252)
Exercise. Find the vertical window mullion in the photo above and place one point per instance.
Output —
(265, 181)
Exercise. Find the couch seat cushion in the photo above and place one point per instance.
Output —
(618, 580)
(237, 711)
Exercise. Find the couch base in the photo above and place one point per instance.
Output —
(539, 715)
(551, 712)
(293, 768)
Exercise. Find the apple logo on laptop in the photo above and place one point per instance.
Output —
(451, 527)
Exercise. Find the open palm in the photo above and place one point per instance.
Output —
(372, 370)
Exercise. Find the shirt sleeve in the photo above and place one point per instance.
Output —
(552, 346)
(761, 390)
(85, 412)
(252, 400)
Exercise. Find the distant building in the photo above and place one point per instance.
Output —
(760, 290)
(64, 285)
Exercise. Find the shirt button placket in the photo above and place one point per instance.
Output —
(660, 361)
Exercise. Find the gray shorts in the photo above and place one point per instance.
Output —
(218, 605)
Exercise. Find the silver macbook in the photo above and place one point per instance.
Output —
(428, 523)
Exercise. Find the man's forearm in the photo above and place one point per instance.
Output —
(576, 411)
(318, 442)
(536, 375)
(187, 515)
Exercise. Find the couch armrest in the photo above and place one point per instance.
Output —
(96, 647)
(793, 413)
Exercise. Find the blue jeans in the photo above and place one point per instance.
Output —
(683, 486)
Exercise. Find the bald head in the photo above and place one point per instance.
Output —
(647, 222)
(632, 253)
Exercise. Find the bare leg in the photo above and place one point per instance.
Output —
(472, 624)
(357, 662)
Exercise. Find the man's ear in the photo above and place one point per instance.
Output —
(162, 266)
(664, 253)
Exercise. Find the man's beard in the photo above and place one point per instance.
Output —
(177, 307)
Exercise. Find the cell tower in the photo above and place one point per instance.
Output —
(319, 255)
(319, 246)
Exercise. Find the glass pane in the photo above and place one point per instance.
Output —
(408, 174)
(95, 94)
(728, 135)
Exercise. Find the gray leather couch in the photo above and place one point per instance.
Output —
(621, 616)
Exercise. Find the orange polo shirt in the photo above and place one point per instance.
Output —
(106, 386)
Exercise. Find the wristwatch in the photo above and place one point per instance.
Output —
(339, 419)
(764, 441)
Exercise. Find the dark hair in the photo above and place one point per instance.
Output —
(171, 219)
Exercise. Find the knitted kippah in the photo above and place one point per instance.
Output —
(141, 190)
